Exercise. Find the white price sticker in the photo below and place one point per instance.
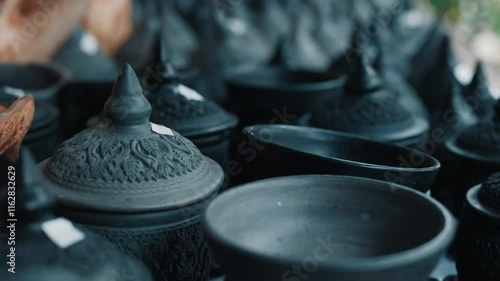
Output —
(162, 130)
(189, 93)
(89, 44)
(62, 232)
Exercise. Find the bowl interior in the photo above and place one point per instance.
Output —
(28, 77)
(268, 77)
(333, 145)
(340, 217)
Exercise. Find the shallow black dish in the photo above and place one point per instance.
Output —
(326, 227)
(278, 150)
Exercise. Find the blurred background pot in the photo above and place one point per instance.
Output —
(478, 240)
(259, 94)
(140, 185)
(184, 110)
(297, 223)
(475, 154)
(41, 256)
(44, 83)
(278, 150)
(370, 108)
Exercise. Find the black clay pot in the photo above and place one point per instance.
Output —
(278, 150)
(478, 240)
(323, 227)
(140, 185)
(474, 155)
(184, 110)
(372, 109)
(270, 94)
(45, 247)
(43, 82)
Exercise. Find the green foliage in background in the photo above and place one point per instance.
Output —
(478, 14)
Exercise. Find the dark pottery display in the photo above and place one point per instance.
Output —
(140, 185)
(202, 121)
(15, 120)
(278, 150)
(271, 94)
(43, 82)
(371, 109)
(478, 239)
(49, 248)
(324, 227)
(477, 94)
(474, 155)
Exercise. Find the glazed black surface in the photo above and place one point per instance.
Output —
(287, 150)
(291, 215)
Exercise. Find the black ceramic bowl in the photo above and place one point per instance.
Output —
(279, 150)
(272, 94)
(325, 227)
(43, 81)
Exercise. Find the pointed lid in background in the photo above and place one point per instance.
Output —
(478, 95)
(182, 108)
(127, 164)
(368, 107)
(480, 142)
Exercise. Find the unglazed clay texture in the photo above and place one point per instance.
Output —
(96, 158)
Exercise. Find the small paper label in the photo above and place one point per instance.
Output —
(62, 232)
(18, 93)
(89, 44)
(162, 130)
(189, 93)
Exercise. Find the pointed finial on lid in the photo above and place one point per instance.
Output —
(278, 58)
(364, 78)
(167, 70)
(127, 104)
(478, 79)
(33, 197)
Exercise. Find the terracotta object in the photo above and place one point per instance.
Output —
(140, 185)
(36, 28)
(475, 154)
(297, 233)
(43, 82)
(279, 150)
(477, 240)
(110, 22)
(15, 120)
(190, 114)
(370, 108)
(40, 256)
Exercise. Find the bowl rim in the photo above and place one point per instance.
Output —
(331, 80)
(436, 165)
(440, 241)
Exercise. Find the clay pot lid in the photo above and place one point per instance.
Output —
(480, 142)
(477, 94)
(127, 164)
(15, 121)
(183, 109)
(489, 193)
(369, 108)
(87, 258)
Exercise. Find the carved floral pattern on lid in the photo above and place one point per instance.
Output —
(124, 164)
